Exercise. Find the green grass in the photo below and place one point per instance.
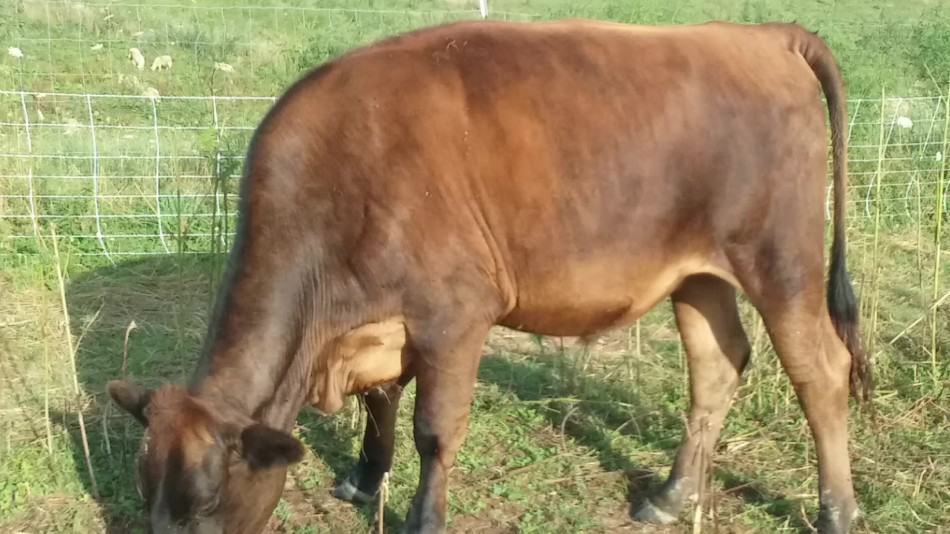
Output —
(558, 443)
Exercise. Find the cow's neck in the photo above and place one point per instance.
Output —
(272, 394)
(252, 365)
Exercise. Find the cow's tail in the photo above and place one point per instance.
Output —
(842, 303)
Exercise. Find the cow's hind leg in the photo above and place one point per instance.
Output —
(818, 364)
(376, 455)
(786, 284)
(717, 352)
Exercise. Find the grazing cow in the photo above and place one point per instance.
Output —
(560, 178)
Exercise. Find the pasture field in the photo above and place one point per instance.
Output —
(140, 193)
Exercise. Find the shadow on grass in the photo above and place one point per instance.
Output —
(752, 493)
(169, 299)
(590, 411)
(333, 445)
(595, 412)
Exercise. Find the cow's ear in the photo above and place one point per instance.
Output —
(263, 447)
(131, 397)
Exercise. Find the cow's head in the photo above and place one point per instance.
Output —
(200, 471)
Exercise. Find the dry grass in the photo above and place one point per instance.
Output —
(561, 436)
(551, 420)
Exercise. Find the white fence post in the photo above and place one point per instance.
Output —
(29, 150)
(95, 179)
(158, 176)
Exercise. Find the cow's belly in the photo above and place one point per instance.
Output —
(587, 298)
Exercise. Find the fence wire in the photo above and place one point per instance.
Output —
(133, 175)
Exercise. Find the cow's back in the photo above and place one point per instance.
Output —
(587, 166)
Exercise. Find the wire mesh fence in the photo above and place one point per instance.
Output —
(122, 174)
(131, 175)
(71, 46)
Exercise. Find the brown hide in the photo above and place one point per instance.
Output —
(560, 178)
(571, 174)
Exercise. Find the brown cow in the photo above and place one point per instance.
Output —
(560, 178)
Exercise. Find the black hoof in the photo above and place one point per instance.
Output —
(651, 513)
(348, 490)
(834, 520)
(425, 522)
(424, 528)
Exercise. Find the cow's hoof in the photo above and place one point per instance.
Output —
(426, 521)
(348, 491)
(832, 520)
(651, 513)
(431, 528)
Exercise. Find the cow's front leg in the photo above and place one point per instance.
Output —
(445, 381)
(376, 457)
